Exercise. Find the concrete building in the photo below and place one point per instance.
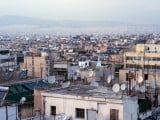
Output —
(97, 73)
(7, 61)
(83, 62)
(144, 61)
(145, 55)
(60, 70)
(89, 103)
(37, 66)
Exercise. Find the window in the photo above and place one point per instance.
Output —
(79, 113)
(145, 76)
(53, 110)
(136, 58)
(114, 114)
(133, 58)
(132, 66)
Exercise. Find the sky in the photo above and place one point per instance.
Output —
(127, 11)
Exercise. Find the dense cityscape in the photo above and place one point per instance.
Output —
(79, 60)
(66, 77)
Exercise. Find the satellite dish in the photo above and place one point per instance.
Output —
(136, 87)
(109, 78)
(140, 79)
(90, 73)
(100, 116)
(142, 89)
(94, 84)
(116, 88)
(123, 86)
(22, 100)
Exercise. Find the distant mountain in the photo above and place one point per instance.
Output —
(20, 20)
(29, 24)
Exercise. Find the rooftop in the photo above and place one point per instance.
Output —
(88, 91)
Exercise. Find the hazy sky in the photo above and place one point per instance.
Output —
(128, 11)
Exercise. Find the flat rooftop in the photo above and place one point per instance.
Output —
(88, 91)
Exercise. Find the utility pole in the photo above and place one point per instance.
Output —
(143, 70)
(20, 116)
(40, 113)
(32, 65)
(26, 68)
(103, 76)
(43, 108)
(16, 111)
(41, 68)
(6, 110)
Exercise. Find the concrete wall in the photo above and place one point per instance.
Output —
(11, 113)
(142, 47)
(130, 110)
(38, 102)
(68, 105)
(27, 110)
(40, 65)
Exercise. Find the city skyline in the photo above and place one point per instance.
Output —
(126, 11)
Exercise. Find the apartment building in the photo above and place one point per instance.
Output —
(37, 66)
(7, 61)
(145, 55)
(83, 102)
(144, 61)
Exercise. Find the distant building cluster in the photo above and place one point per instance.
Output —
(80, 77)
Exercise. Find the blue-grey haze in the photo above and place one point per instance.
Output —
(126, 11)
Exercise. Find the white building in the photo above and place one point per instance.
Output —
(89, 103)
(83, 62)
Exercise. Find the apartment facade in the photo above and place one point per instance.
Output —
(89, 103)
(7, 61)
(37, 66)
(145, 55)
(144, 61)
